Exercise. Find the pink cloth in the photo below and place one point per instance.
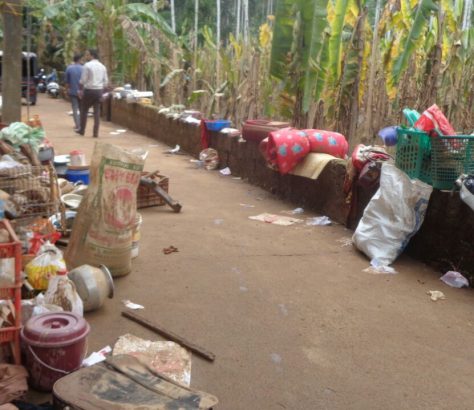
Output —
(287, 147)
(433, 119)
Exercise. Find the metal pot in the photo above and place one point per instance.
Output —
(93, 284)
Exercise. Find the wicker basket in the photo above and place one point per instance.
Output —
(146, 197)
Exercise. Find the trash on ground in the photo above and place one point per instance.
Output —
(210, 158)
(275, 219)
(319, 221)
(170, 335)
(436, 295)
(377, 267)
(237, 178)
(345, 242)
(170, 249)
(114, 133)
(174, 150)
(121, 130)
(295, 211)
(226, 171)
(97, 357)
(394, 214)
(247, 206)
(131, 305)
(218, 221)
(167, 358)
(455, 280)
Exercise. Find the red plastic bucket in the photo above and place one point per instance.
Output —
(55, 345)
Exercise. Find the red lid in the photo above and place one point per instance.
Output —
(55, 329)
(75, 152)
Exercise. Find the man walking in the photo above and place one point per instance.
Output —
(93, 81)
(73, 76)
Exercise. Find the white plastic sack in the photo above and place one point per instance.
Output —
(62, 292)
(393, 216)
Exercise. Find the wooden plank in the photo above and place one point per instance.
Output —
(170, 335)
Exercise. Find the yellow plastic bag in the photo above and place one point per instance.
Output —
(44, 266)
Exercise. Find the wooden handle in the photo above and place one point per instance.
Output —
(170, 335)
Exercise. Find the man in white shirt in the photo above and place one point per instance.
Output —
(93, 82)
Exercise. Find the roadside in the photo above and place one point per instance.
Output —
(294, 321)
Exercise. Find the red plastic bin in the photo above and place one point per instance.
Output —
(12, 291)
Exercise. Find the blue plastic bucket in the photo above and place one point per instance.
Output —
(75, 175)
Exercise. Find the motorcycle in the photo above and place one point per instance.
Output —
(40, 80)
(52, 86)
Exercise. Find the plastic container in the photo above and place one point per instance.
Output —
(136, 236)
(10, 286)
(55, 345)
(77, 158)
(217, 125)
(93, 285)
(414, 154)
(452, 156)
(75, 175)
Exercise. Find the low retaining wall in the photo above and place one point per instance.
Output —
(445, 239)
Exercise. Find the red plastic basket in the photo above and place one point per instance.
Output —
(12, 291)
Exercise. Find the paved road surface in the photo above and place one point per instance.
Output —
(294, 321)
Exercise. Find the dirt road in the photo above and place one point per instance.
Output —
(293, 319)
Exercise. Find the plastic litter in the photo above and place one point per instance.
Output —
(466, 183)
(226, 171)
(174, 150)
(247, 206)
(210, 158)
(295, 211)
(131, 305)
(436, 295)
(167, 358)
(454, 279)
(319, 221)
(275, 219)
(62, 292)
(378, 268)
(97, 357)
(388, 136)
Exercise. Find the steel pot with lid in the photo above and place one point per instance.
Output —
(93, 284)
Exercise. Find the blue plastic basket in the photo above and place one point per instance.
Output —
(217, 125)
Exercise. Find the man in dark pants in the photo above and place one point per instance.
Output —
(73, 76)
(93, 81)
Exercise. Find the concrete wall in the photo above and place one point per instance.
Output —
(445, 240)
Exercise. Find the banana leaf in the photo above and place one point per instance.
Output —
(335, 42)
(409, 44)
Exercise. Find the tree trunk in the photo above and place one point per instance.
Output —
(218, 57)
(372, 70)
(246, 21)
(12, 60)
(237, 18)
(173, 17)
(196, 28)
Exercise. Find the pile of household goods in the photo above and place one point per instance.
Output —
(429, 154)
(45, 293)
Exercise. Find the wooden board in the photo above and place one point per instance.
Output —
(123, 383)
